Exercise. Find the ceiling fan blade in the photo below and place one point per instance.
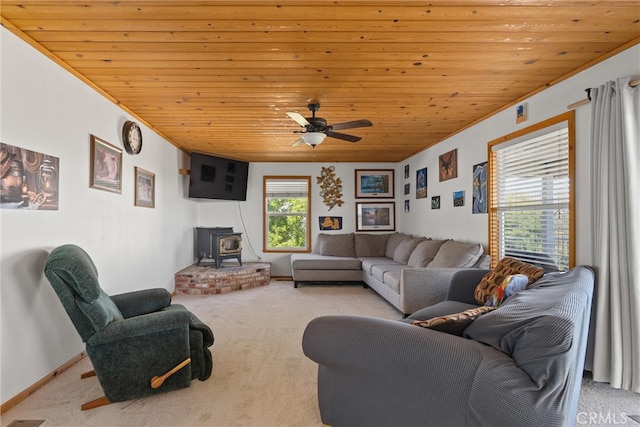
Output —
(344, 136)
(298, 143)
(298, 118)
(354, 124)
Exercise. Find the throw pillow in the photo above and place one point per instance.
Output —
(371, 245)
(336, 245)
(505, 267)
(424, 253)
(404, 249)
(454, 254)
(454, 324)
(394, 240)
(510, 285)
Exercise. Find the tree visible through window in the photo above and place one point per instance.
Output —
(286, 207)
(531, 195)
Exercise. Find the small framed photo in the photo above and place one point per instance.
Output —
(106, 166)
(421, 183)
(448, 165)
(521, 113)
(458, 198)
(374, 183)
(145, 194)
(375, 216)
(435, 202)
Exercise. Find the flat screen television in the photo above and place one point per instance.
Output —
(214, 177)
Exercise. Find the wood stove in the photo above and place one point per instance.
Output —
(218, 244)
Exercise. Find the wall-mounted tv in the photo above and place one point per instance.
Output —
(214, 177)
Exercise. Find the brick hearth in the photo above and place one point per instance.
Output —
(201, 279)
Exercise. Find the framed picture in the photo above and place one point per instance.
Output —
(407, 189)
(435, 202)
(406, 171)
(521, 113)
(145, 188)
(375, 216)
(106, 166)
(479, 188)
(28, 179)
(448, 165)
(421, 183)
(458, 198)
(374, 183)
(330, 222)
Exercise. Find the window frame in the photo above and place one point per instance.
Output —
(265, 226)
(521, 136)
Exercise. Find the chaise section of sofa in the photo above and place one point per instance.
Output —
(410, 272)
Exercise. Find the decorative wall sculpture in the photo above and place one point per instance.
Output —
(330, 187)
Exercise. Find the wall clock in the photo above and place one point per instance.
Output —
(132, 137)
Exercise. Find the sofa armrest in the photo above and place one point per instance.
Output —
(135, 303)
(422, 287)
(383, 372)
(463, 285)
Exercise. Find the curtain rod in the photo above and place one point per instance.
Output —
(632, 83)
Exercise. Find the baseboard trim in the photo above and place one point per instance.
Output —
(33, 388)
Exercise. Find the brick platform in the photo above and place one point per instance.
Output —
(201, 279)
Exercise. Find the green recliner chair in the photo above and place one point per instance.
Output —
(138, 342)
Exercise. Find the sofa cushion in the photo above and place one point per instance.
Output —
(404, 249)
(454, 254)
(505, 267)
(392, 279)
(510, 285)
(336, 244)
(394, 240)
(371, 245)
(378, 271)
(454, 323)
(370, 262)
(424, 253)
(321, 262)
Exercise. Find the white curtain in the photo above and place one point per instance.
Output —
(615, 164)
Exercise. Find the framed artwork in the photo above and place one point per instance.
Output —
(375, 216)
(145, 188)
(521, 113)
(435, 202)
(406, 171)
(448, 165)
(421, 183)
(407, 189)
(374, 183)
(479, 189)
(106, 166)
(407, 206)
(458, 198)
(28, 179)
(330, 222)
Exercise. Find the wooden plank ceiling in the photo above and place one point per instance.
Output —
(219, 76)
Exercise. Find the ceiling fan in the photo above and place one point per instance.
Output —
(316, 129)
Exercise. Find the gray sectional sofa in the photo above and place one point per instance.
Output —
(410, 272)
(519, 365)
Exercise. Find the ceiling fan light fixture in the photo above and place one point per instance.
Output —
(313, 138)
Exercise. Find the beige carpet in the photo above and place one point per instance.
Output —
(260, 375)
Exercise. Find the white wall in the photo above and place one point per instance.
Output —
(232, 214)
(46, 109)
(458, 222)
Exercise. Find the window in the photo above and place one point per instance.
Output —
(287, 214)
(531, 204)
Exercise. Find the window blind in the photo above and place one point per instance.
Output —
(531, 200)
